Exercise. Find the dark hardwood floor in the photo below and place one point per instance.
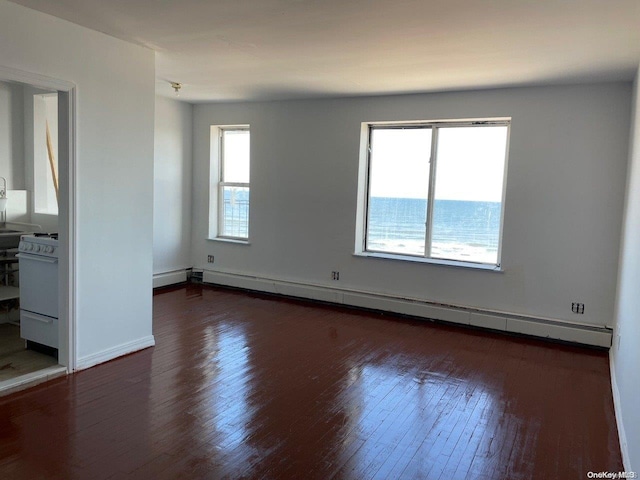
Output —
(242, 385)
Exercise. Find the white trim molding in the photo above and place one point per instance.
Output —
(617, 408)
(67, 216)
(169, 278)
(35, 79)
(115, 352)
(492, 320)
(68, 222)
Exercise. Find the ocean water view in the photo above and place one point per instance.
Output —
(462, 230)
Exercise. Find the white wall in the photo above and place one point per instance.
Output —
(115, 120)
(12, 135)
(563, 210)
(625, 353)
(172, 186)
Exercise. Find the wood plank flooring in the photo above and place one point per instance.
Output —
(246, 386)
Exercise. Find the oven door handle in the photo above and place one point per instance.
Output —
(37, 258)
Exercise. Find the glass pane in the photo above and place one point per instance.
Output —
(398, 190)
(45, 163)
(235, 156)
(468, 196)
(235, 212)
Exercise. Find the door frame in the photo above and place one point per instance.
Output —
(67, 212)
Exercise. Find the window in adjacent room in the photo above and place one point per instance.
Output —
(433, 191)
(45, 153)
(229, 199)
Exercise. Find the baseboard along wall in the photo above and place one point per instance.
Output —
(537, 327)
(115, 352)
(169, 278)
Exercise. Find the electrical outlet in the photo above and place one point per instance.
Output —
(209, 258)
(577, 308)
(335, 275)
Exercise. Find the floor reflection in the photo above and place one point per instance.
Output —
(213, 377)
(396, 408)
(230, 378)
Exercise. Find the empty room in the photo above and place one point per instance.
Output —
(320, 239)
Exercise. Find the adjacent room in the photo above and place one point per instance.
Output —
(305, 239)
(29, 209)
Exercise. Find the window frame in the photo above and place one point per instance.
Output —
(364, 190)
(218, 183)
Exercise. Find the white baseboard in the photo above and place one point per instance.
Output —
(115, 352)
(169, 278)
(494, 320)
(624, 447)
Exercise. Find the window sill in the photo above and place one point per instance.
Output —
(432, 261)
(230, 240)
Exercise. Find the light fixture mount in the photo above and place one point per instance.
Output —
(176, 86)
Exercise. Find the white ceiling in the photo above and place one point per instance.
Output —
(224, 50)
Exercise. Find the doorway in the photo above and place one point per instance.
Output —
(43, 194)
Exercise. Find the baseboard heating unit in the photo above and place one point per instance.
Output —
(493, 320)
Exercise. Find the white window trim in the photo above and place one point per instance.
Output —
(433, 261)
(362, 213)
(216, 185)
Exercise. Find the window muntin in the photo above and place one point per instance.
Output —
(233, 184)
(435, 190)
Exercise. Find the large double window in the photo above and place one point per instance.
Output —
(230, 167)
(434, 191)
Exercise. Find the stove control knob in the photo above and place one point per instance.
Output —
(28, 247)
(36, 248)
(48, 249)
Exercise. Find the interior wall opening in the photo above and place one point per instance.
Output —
(34, 260)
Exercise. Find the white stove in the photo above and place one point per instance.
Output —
(38, 257)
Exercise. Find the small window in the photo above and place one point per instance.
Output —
(230, 186)
(45, 149)
(434, 190)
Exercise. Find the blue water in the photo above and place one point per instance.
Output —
(461, 229)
